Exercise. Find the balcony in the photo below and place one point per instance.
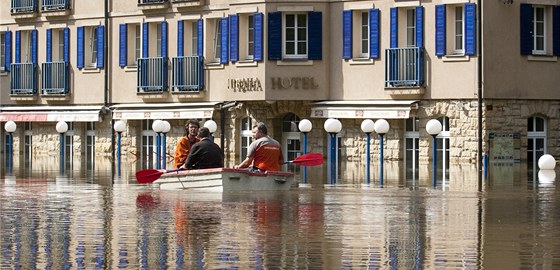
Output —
(187, 74)
(55, 79)
(152, 75)
(404, 70)
(187, 3)
(23, 8)
(23, 79)
(55, 7)
(152, 4)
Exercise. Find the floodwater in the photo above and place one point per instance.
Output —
(92, 218)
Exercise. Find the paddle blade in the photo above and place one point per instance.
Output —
(311, 159)
(148, 176)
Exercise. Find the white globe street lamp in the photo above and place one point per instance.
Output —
(367, 127)
(381, 127)
(10, 128)
(332, 126)
(433, 127)
(211, 125)
(157, 127)
(305, 126)
(61, 128)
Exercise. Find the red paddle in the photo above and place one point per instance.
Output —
(311, 159)
(150, 175)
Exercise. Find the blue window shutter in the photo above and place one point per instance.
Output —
(164, 31)
(394, 28)
(234, 38)
(224, 40)
(34, 46)
(66, 48)
(274, 35)
(200, 38)
(556, 31)
(374, 33)
(470, 32)
(8, 51)
(315, 35)
(80, 47)
(258, 20)
(526, 29)
(100, 48)
(347, 34)
(49, 45)
(17, 58)
(420, 26)
(145, 33)
(440, 30)
(123, 44)
(180, 38)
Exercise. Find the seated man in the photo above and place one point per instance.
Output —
(264, 153)
(204, 154)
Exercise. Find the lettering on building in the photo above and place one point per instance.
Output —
(293, 83)
(245, 85)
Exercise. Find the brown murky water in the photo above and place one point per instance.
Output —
(88, 219)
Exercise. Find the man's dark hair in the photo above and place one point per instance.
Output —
(261, 127)
(193, 122)
(203, 132)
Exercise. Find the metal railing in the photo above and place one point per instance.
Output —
(23, 79)
(23, 6)
(179, 1)
(143, 2)
(55, 4)
(404, 67)
(55, 78)
(187, 74)
(152, 75)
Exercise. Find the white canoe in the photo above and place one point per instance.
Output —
(226, 179)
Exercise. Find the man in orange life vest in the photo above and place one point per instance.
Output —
(264, 153)
(185, 143)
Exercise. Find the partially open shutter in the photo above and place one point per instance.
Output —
(80, 47)
(374, 33)
(347, 34)
(258, 19)
(526, 28)
(234, 38)
(49, 45)
(470, 30)
(275, 36)
(440, 30)
(315, 35)
(100, 46)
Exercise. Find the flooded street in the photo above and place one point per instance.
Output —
(89, 219)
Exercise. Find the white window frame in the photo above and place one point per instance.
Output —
(2, 52)
(360, 18)
(295, 54)
(193, 28)
(246, 135)
(459, 29)
(158, 39)
(540, 36)
(27, 46)
(250, 40)
(133, 43)
(216, 41)
(91, 46)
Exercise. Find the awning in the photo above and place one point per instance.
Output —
(51, 114)
(194, 110)
(386, 109)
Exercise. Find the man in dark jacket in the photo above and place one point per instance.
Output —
(204, 154)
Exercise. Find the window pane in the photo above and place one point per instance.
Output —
(530, 127)
(290, 20)
(194, 38)
(290, 48)
(251, 37)
(411, 28)
(539, 124)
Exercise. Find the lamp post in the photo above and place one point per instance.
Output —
(61, 128)
(212, 127)
(433, 127)
(166, 128)
(119, 127)
(158, 126)
(305, 126)
(332, 126)
(10, 128)
(367, 128)
(381, 127)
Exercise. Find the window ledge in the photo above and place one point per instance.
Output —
(246, 63)
(91, 70)
(214, 66)
(456, 58)
(3, 73)
(542, 58)
(294, 62)
(361, 61)
(130, 69)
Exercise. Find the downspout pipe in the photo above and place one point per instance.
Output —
(480, 95)
(223, 107)
(106, 70)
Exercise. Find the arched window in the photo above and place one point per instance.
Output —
(246, 135)
(536, 142)
(291, 145)
(443, 149)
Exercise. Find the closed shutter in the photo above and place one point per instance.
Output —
(8, 50)
(394, 43)
(315, 35)
(80, 47)
(347, 34)
(420, 26)
(34, 46)
(145, 33)
(49, 45)
(374, 33)
(440, 30)
(470, 30)
(66, 48)
(123, 44)
(164, 39)
(180, 38)
(234, 38)
(526, 29)
(200, 36)
(100, 46)
(224, 44)
(275, 36)
(17, 58)
(258, 20)
(556, 31)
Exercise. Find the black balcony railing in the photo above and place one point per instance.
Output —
(152, 75)
(48, 5)
(187, 74)
(55, 78)
(23, 79)
(23, 6)
(404, 67)
(148, 2)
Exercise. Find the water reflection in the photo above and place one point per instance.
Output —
(93, 220)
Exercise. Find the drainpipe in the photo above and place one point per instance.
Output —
(223, 108)
(106, 77)
(479, 95)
